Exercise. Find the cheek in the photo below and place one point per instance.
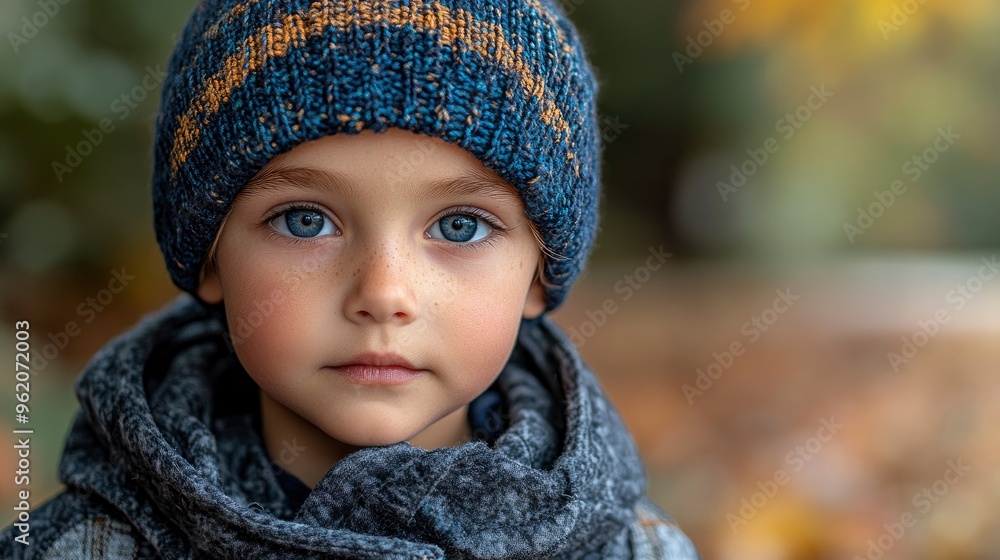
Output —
(481, 329)
(267, 325)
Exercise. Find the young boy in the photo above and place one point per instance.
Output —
(371, 207)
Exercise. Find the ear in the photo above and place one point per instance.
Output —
(534, 304)
(209, 287)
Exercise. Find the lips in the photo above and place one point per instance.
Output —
(378, 369)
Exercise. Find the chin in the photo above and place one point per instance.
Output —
(368, 437)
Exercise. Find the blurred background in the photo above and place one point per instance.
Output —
(809, 372)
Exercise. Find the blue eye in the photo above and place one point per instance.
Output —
(303, 223)
(460, 228)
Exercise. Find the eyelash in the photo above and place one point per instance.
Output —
(276, 235)
(488, 241)
(494, 224)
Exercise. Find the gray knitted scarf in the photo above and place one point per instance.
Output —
(165, 437)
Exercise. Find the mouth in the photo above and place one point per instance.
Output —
(378, 369)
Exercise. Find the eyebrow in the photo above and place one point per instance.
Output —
(279, 178)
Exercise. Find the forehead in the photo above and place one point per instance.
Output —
(413, 165)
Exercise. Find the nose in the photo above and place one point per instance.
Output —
(382, 289)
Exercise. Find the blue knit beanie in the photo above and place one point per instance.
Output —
(250, 79)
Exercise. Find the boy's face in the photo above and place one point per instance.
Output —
(389, 244)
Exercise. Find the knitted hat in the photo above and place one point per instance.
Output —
(250, 79)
